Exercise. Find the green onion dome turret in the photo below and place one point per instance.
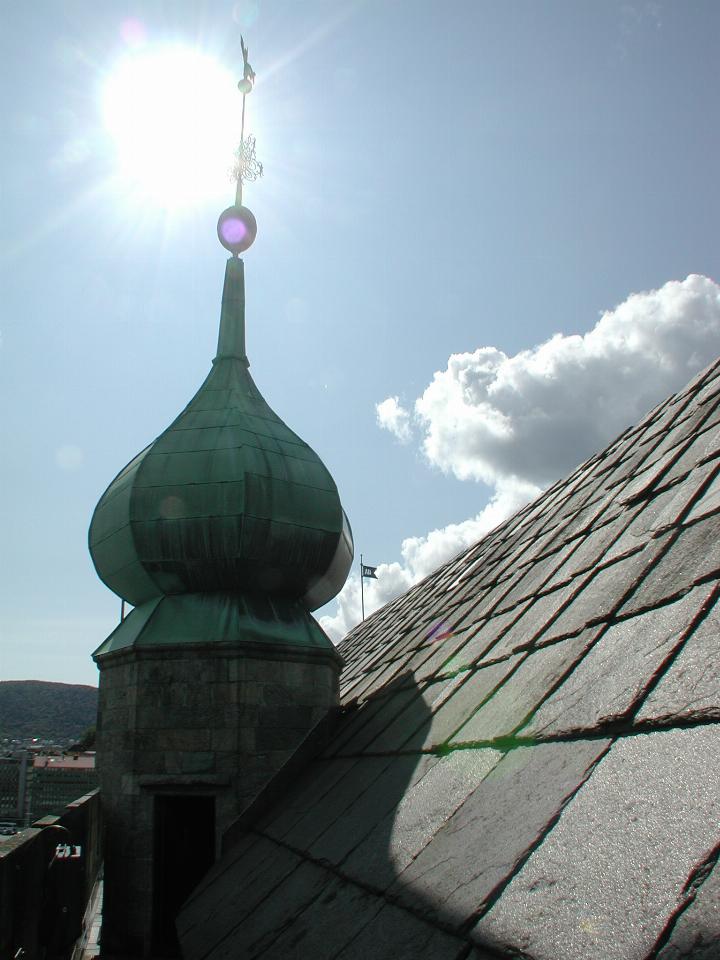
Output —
(228, 499)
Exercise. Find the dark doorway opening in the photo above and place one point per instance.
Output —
(184, 850)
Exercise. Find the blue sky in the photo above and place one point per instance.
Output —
(462, 179)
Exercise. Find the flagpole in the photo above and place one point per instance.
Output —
(362, 589)
(238, 189)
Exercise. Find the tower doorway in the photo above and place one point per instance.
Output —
(184, 850)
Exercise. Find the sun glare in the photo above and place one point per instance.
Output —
(174, 116)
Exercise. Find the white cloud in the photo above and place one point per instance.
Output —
(392, 416)
(534, 416)
(519, 423)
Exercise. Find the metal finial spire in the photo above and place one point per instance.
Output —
(247, 166)
(237, 226)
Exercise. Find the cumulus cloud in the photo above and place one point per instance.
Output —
(534, 416)
(392, 416)
(519, 423)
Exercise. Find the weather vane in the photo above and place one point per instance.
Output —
(237, 226)
(247, 166)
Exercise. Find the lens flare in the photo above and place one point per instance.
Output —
(233, 230)
(439, 631)
(133, 32)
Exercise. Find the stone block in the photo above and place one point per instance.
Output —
(189, 740)
(129, 785)
(279, 738)
(152, 761)
(286, 716)
(197, 762)
(224, 739)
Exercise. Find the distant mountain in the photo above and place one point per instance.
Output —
(48, 711)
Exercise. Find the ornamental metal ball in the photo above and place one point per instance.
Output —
(237, 229)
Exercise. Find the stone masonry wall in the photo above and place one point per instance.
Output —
(203, 721)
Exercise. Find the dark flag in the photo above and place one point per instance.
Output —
(248, 72)
(367, 571)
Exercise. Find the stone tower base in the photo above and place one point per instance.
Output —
(188, 734)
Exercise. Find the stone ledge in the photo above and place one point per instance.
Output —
(253, 651)
(148, 781)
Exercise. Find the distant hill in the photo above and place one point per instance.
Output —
(36, 708)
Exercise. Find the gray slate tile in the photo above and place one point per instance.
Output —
(316, 819)
(696, 934)
(692, 556)
(661, 513)
(518, 697)
(703, 446)
(691, 686)
(328, 924)
(607, 877)
(307, 792)
(395, 934)
(483, 638)
(613, 676)
(651, 476)
(592, 547)
(231, 894)
(605, 591)
(440, 658)
(709, 502)
(537, 619)
(415, 718)
(423, 809)
(371, 718)
(375, 679)
(341, 835)
(462, 704)
(534, 578)
(480, 846)
(262, 926)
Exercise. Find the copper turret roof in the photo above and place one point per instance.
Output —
(228, 498)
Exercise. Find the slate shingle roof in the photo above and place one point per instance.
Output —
(528, 764)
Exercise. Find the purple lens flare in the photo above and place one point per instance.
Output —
(237, 229)
(233, 230)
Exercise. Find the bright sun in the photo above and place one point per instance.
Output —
(173, 114)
